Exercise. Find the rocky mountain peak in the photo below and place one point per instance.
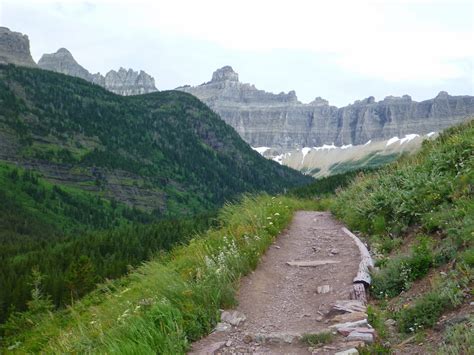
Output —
(63, 51)
(442, 95)
(319, 101)
(129, 82)
(15, 48)
(122, 82)
(63, 62)
(225, 74)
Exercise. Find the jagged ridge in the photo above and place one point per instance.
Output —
(280, 121)
(122, 82)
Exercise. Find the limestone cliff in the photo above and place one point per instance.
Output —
(15, 48)
(122, 82)
(63, 62)
(280, 121)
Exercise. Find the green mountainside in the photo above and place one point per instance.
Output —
(165, 152)
(92, 183)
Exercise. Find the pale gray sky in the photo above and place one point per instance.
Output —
(341, 50)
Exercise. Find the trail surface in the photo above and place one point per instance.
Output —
(280, 301)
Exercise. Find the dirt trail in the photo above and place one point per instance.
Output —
(279, 300)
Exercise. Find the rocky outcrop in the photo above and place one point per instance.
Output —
(122, 82)
(63, 62)
(280, 121)
(128, 82)
(15, 48)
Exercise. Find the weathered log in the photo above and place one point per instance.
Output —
(366, 263)
(358, 293)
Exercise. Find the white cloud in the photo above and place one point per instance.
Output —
(403, 43)
(391, 40)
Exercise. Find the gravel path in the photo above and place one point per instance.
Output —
(279, 300)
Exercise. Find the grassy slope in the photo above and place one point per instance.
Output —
(169, 143)
(427, 198)
(170, 301)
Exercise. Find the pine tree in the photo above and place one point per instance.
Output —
(81, 277)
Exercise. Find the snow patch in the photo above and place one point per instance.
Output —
(325, 147)
(431, 134)
(261, 150)
(347, 146)
(408, 137)
(370, 141)
(278, 159)
(392, 140)
(305, 151)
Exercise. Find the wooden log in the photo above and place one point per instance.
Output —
(358, 293)
(366, 263)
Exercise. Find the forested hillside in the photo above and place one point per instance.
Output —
(164, 152)
(72, 239)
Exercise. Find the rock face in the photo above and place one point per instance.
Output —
(63, 62)
(280, 121)
(15, 48)
(128, 82)
(122, 82)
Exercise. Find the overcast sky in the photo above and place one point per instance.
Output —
(339, 50)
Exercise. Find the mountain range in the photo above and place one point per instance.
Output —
(15, 49)
(280, 121)
(278, 125)
(122, 82)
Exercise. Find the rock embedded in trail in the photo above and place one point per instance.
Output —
(311, 263)
(365, 337)
(348, 306)
(234, 318)
(347, 331)
(351, 351)
(222, 327)
(324, 289)
(349, 317)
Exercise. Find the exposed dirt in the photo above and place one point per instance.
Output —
(281, 299)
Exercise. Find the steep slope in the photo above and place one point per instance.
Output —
(281, 122)
(418, 217)
(122, 82)
(163, 152)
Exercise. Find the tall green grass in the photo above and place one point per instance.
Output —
(168, 302)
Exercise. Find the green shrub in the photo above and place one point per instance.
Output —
(424, 313)
(467, 257)
(377, 320)
(375, 348)
(448, 293)
(458, 339)
(317, 338)
(397, 274)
